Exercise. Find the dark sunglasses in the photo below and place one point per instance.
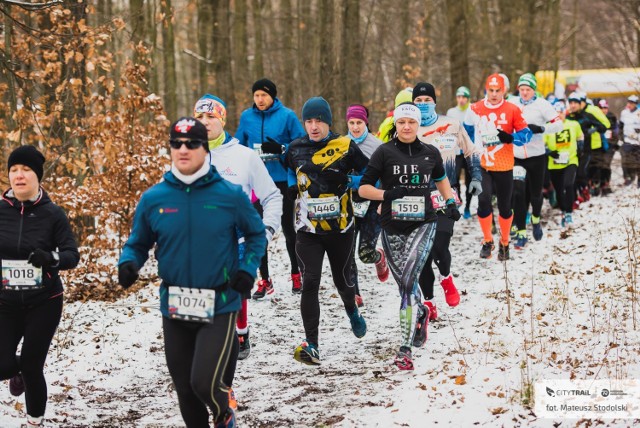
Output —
(191, 144)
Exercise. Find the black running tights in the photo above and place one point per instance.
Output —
(198, 356)
(35, 325)
(311, 248)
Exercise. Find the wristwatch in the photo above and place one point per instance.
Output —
(270, 229)
(56, 258)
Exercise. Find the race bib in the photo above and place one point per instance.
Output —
(563, 158)
(409, 208)
(439, 202)
(192, 304)
(323, 208)
(360, 208)
(519, 173)
(608, 133)
(490, 140)
(20, 275)
(257, 147)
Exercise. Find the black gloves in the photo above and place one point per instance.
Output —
(272, 146)
(554, 154)
(452, 211)
(127, 274)
(395, 193)
(536, 129)
(505, 137)
(41, 259)
(242, 282)
(334, 178)
(292, 192)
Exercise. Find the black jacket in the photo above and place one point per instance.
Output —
(27, 226)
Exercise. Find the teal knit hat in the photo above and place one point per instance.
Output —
(529, 80)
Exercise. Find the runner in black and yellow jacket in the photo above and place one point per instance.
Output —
(319, 165)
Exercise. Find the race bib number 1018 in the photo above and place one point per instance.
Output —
(20, 275)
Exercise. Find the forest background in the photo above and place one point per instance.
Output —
(95, 83)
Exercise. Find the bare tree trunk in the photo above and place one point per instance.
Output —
(351, 54)
(326, 50)
(151, 33)
(288, 68)
(169, 60)
(8, 73)
(205, 34)
(258, 61)
(240, 39)
(457, 26)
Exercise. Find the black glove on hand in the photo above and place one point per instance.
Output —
(334, 178)
(127, 274)
(554, 154)
(242, 282)
(271, 146)
(505, 137)
(452, 211)
(395, 193)
(536, 129)
(41, 259)
(292, 192)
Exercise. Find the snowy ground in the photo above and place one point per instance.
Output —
(570, 317)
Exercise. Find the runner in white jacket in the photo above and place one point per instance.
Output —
(243, 166)
(531, 159)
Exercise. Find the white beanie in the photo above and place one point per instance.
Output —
(407, 110)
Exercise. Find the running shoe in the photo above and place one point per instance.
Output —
(568, 220)
(35, 422)
(403, 360)
(245, 345)
(467, 214)
(503, 252)
(265, 286)
(422, 324)
(521, 241)
(586, 195)
(358, 324)
(228, 420)
(233, 403)
(513, 232)
(433, 310)
(16, 385)
(487, 248)
(451, 294)
(296, 280)
(382, 269)
(359, 301)
(537, 231)
(307, 353)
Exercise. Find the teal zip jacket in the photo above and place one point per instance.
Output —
(195, 228)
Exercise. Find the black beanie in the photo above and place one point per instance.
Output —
(317, 108)
(265, 85)
(424, 88)
(191, 128)
(28, 156)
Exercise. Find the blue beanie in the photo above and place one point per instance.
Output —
(317, 108)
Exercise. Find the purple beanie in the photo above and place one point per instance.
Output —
(357, 111)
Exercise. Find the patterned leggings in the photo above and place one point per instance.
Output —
(406, 256)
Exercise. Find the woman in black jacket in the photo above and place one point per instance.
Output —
(36, 242)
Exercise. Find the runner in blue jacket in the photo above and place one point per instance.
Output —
(269, 127)
(193, 218)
